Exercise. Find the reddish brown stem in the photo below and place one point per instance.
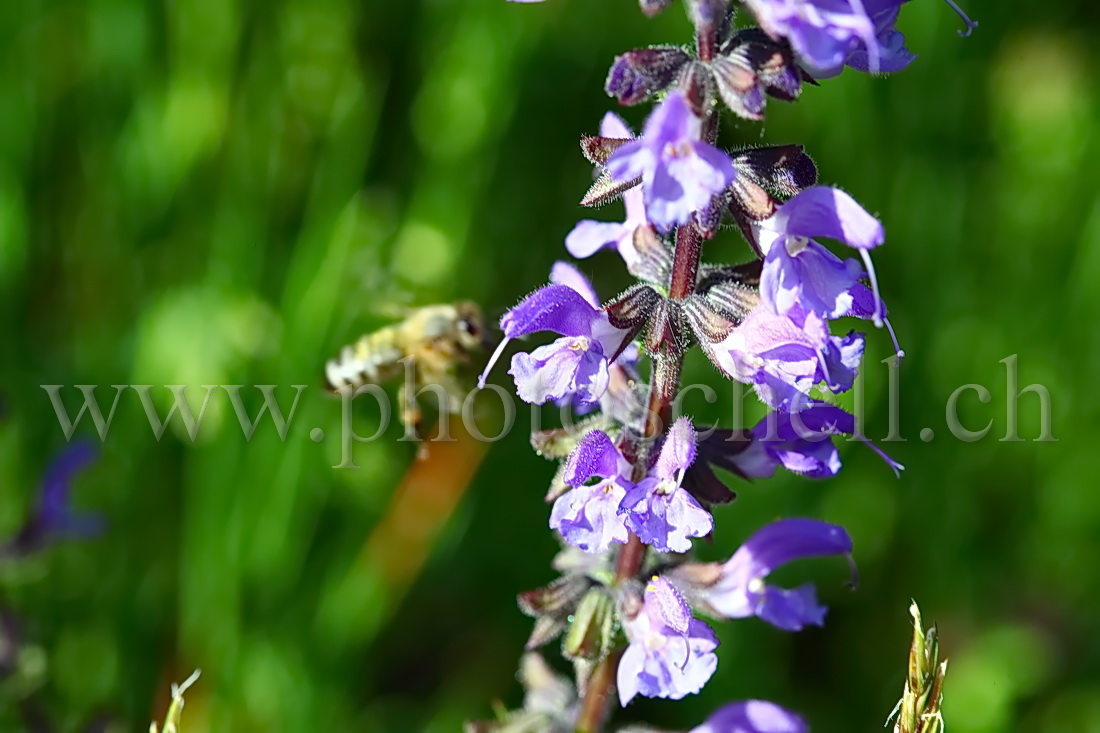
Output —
(667, 366)
(685, 262)
(598, 695)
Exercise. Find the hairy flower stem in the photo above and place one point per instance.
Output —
(667, 366)
(685, 263)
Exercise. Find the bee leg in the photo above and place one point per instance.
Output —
(410, 410)
(411, 417)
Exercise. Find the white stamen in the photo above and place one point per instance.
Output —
(970, 24)
(896, 467)
(898, 353)
(877, 315)
(492, 360)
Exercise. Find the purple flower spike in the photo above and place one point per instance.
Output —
(587, 517)
(671, 653)
(54, 518)
(783, 357)
(576, 364)
(829, 34)
(799, 271)
(799, 442)
(741, 591)
(590, 236)
(659, 510)
(753, 716)
(680, 173)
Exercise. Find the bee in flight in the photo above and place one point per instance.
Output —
(444, 345)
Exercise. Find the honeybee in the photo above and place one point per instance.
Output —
(443, 345)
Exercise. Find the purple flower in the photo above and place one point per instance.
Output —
(829, 34)
(798, 270)
(680, 173)
(53, 517)
(590, 236)
(563, 273)
(800, 442)
(587, 517)
(752, 716)
(783, 357)
(639, 74)
(658, 510)
(575, 364)
(671, 653)
(741, 591)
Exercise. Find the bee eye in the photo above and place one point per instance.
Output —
(468, 327)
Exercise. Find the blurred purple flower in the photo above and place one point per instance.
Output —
(53, 518)
(587, 517)
(658, 510)
(590, 236)
(671, 653)
(752, 716)
(741, 591)
(829, 34)
(680, 173)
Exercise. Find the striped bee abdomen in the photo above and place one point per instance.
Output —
(370, 360)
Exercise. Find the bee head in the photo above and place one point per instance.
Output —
(472, 333)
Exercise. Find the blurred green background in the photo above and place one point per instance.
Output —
(226, 191)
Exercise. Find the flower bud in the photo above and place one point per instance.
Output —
(592, 630)
(652, 7)
(597, 148)
(753, 66)
(708, 17)
(639, 74)
(698, 87)
(666, 329)
(551, 606)
(606, 189)
(633, 309)
(654, 262)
